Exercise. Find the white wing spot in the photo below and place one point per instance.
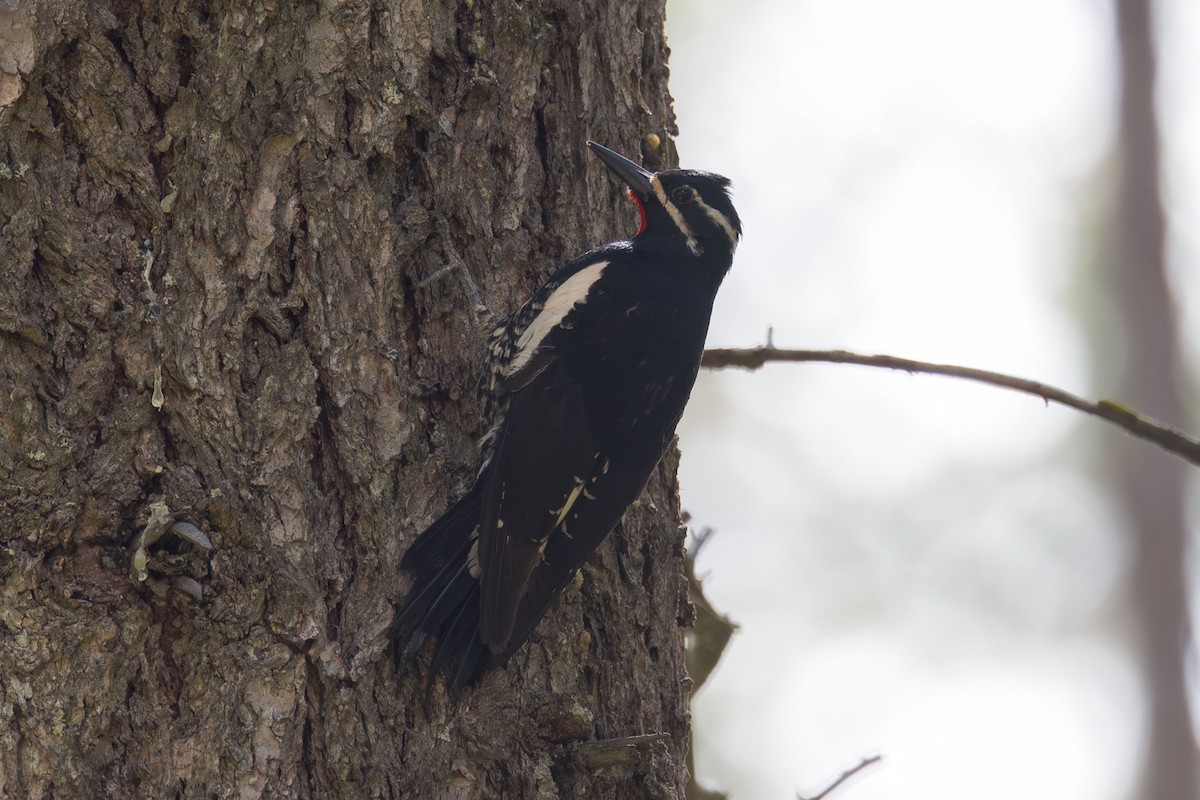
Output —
(561, 513)
(473, 566)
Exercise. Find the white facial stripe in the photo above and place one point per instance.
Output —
(659, 191)
(569, 294)
(721, 220)
(675, 214)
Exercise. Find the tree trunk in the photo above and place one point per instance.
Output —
(215, 227)
(1150, 487)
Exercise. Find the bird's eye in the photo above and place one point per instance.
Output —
(683, 195)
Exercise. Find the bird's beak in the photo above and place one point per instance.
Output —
(635, 177)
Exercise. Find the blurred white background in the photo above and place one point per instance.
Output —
(921, 568)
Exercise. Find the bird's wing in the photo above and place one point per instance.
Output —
(544, 452)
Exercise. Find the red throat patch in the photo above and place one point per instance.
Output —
(641, 210)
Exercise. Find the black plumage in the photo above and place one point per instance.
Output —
(584, 387)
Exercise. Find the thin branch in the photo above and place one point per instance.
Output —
(845, 776)
(1151, 430)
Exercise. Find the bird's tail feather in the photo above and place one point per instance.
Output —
(461, 655)
(444, 599)
(443, 539)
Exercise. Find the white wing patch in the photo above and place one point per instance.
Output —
(566, 296)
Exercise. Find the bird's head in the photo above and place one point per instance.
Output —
(686, 205)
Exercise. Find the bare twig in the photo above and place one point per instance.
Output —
(711, 630)
(845, 776)
(699, 539)
(1151, 430)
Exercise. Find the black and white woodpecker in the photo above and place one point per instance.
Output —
(584, 387)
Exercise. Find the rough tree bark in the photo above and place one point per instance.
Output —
(236, 206)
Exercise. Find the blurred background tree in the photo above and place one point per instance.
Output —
(965, 581)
